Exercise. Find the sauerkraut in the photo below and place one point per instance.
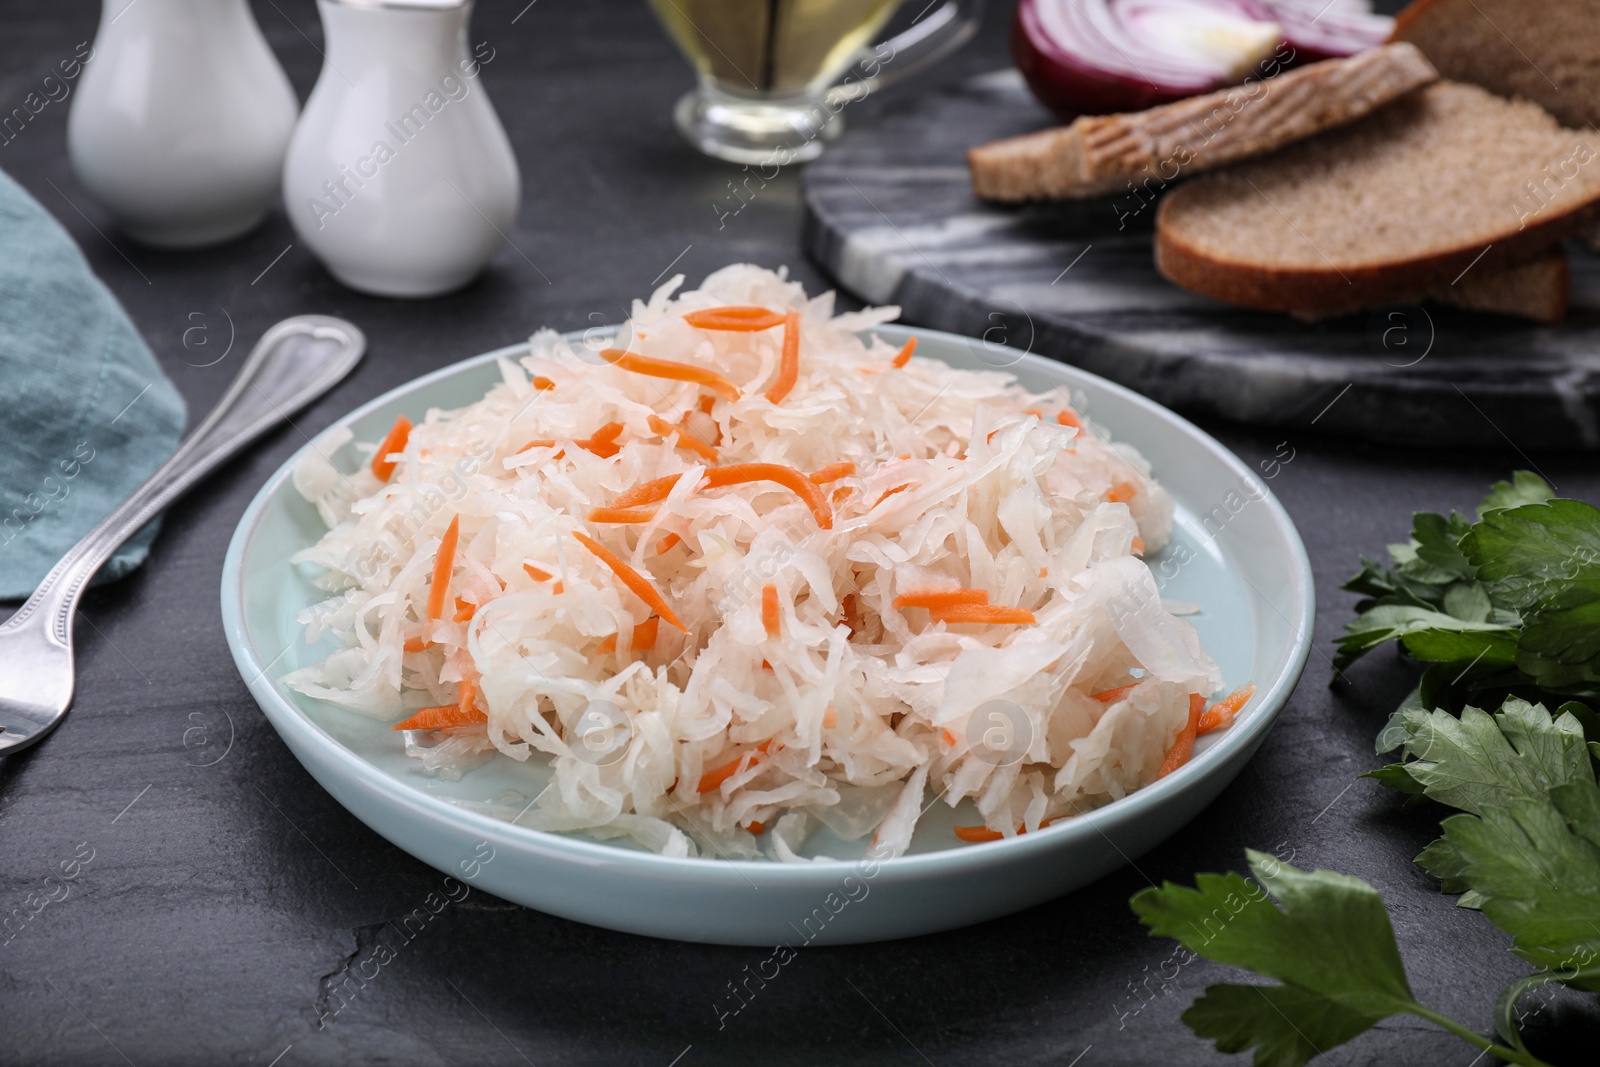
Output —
(805, 688)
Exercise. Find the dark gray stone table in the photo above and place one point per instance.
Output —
(228, 897)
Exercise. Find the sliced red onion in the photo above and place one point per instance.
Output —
(1098, 56)
(1322, 29)
(1092, 57)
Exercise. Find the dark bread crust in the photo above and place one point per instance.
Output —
(1399, 204)
(1320, 292)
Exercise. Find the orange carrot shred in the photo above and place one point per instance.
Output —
(622, 516)
(741, 318)
(941, 598)
(630, 578)
(443, 564)
(666, 543)
(1183, 747)
(756, 827)
(830, 718)
(789, 361)
(841, 492)
(833, 472)
(394, 442)
(541, 383)
(644, 635)
(653, 492)
(713, 778)
(904, 355)
(1111, 696)
(1068, 417)
(950, 739)
(559, 588)
(1121, 493)
(666, 368)
(706, 404)
(1221, 713)
(464, 610)
(685, 438)
(417, 644)
(1138, 546)
(993, 614)
(443, 716)
(975, 834)
(538, 574)
(769, 609)
(608, 646)
(889, 493)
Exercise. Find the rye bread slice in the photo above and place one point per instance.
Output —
(1403, 201)
(1536, 290)
(1547, 51)
(1100, 154)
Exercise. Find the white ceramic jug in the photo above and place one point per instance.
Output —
(182, 119)
(399, 176)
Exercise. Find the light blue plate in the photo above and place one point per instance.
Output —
(1234, 552)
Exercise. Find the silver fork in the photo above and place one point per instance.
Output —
(295, 362)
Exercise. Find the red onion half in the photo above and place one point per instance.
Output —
(1324, 29)
(1093, 57)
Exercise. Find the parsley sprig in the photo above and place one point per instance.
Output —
(1504, 612)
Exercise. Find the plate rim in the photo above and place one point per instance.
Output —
(284, 714)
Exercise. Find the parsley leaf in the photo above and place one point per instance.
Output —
(1525, 487)
(1536, 863)
(1483, 762)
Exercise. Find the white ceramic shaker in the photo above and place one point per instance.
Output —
(181, 121)
(399, 176)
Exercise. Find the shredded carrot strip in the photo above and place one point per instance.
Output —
(742, 318)
(622, 516)
(975, 834)
(1138, 546)
(464, 610)
(1068, 417)
(653, 492)
(559, 588)
(630, 578)
(608, 646)
(889, 493)
(1183, 747)
(984, 613)
(841, 492)
(442, 566)
(789, 361)
(756, 827)
(769, 609)
(609, 432)
(541, 383)
(1121, 493)
(706, 404)
(1221, 713)
(441, 717)
(417, 644)
(830, 718)
(644, 635)
(685, 438)
(538, 574)
(950, 739)
(666, 368)
(833, 472)
(666, 543)
(394, 442)
(941, 598)
(713, 778)
(904, 355)
(1111, 696)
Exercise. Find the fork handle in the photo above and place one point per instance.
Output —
(295, 361)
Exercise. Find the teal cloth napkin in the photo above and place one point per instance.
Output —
(85, 412)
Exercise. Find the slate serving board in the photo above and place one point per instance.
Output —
(890, 214)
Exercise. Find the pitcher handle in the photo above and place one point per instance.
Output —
(939, 30)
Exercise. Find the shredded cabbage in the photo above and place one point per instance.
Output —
(857, 708)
